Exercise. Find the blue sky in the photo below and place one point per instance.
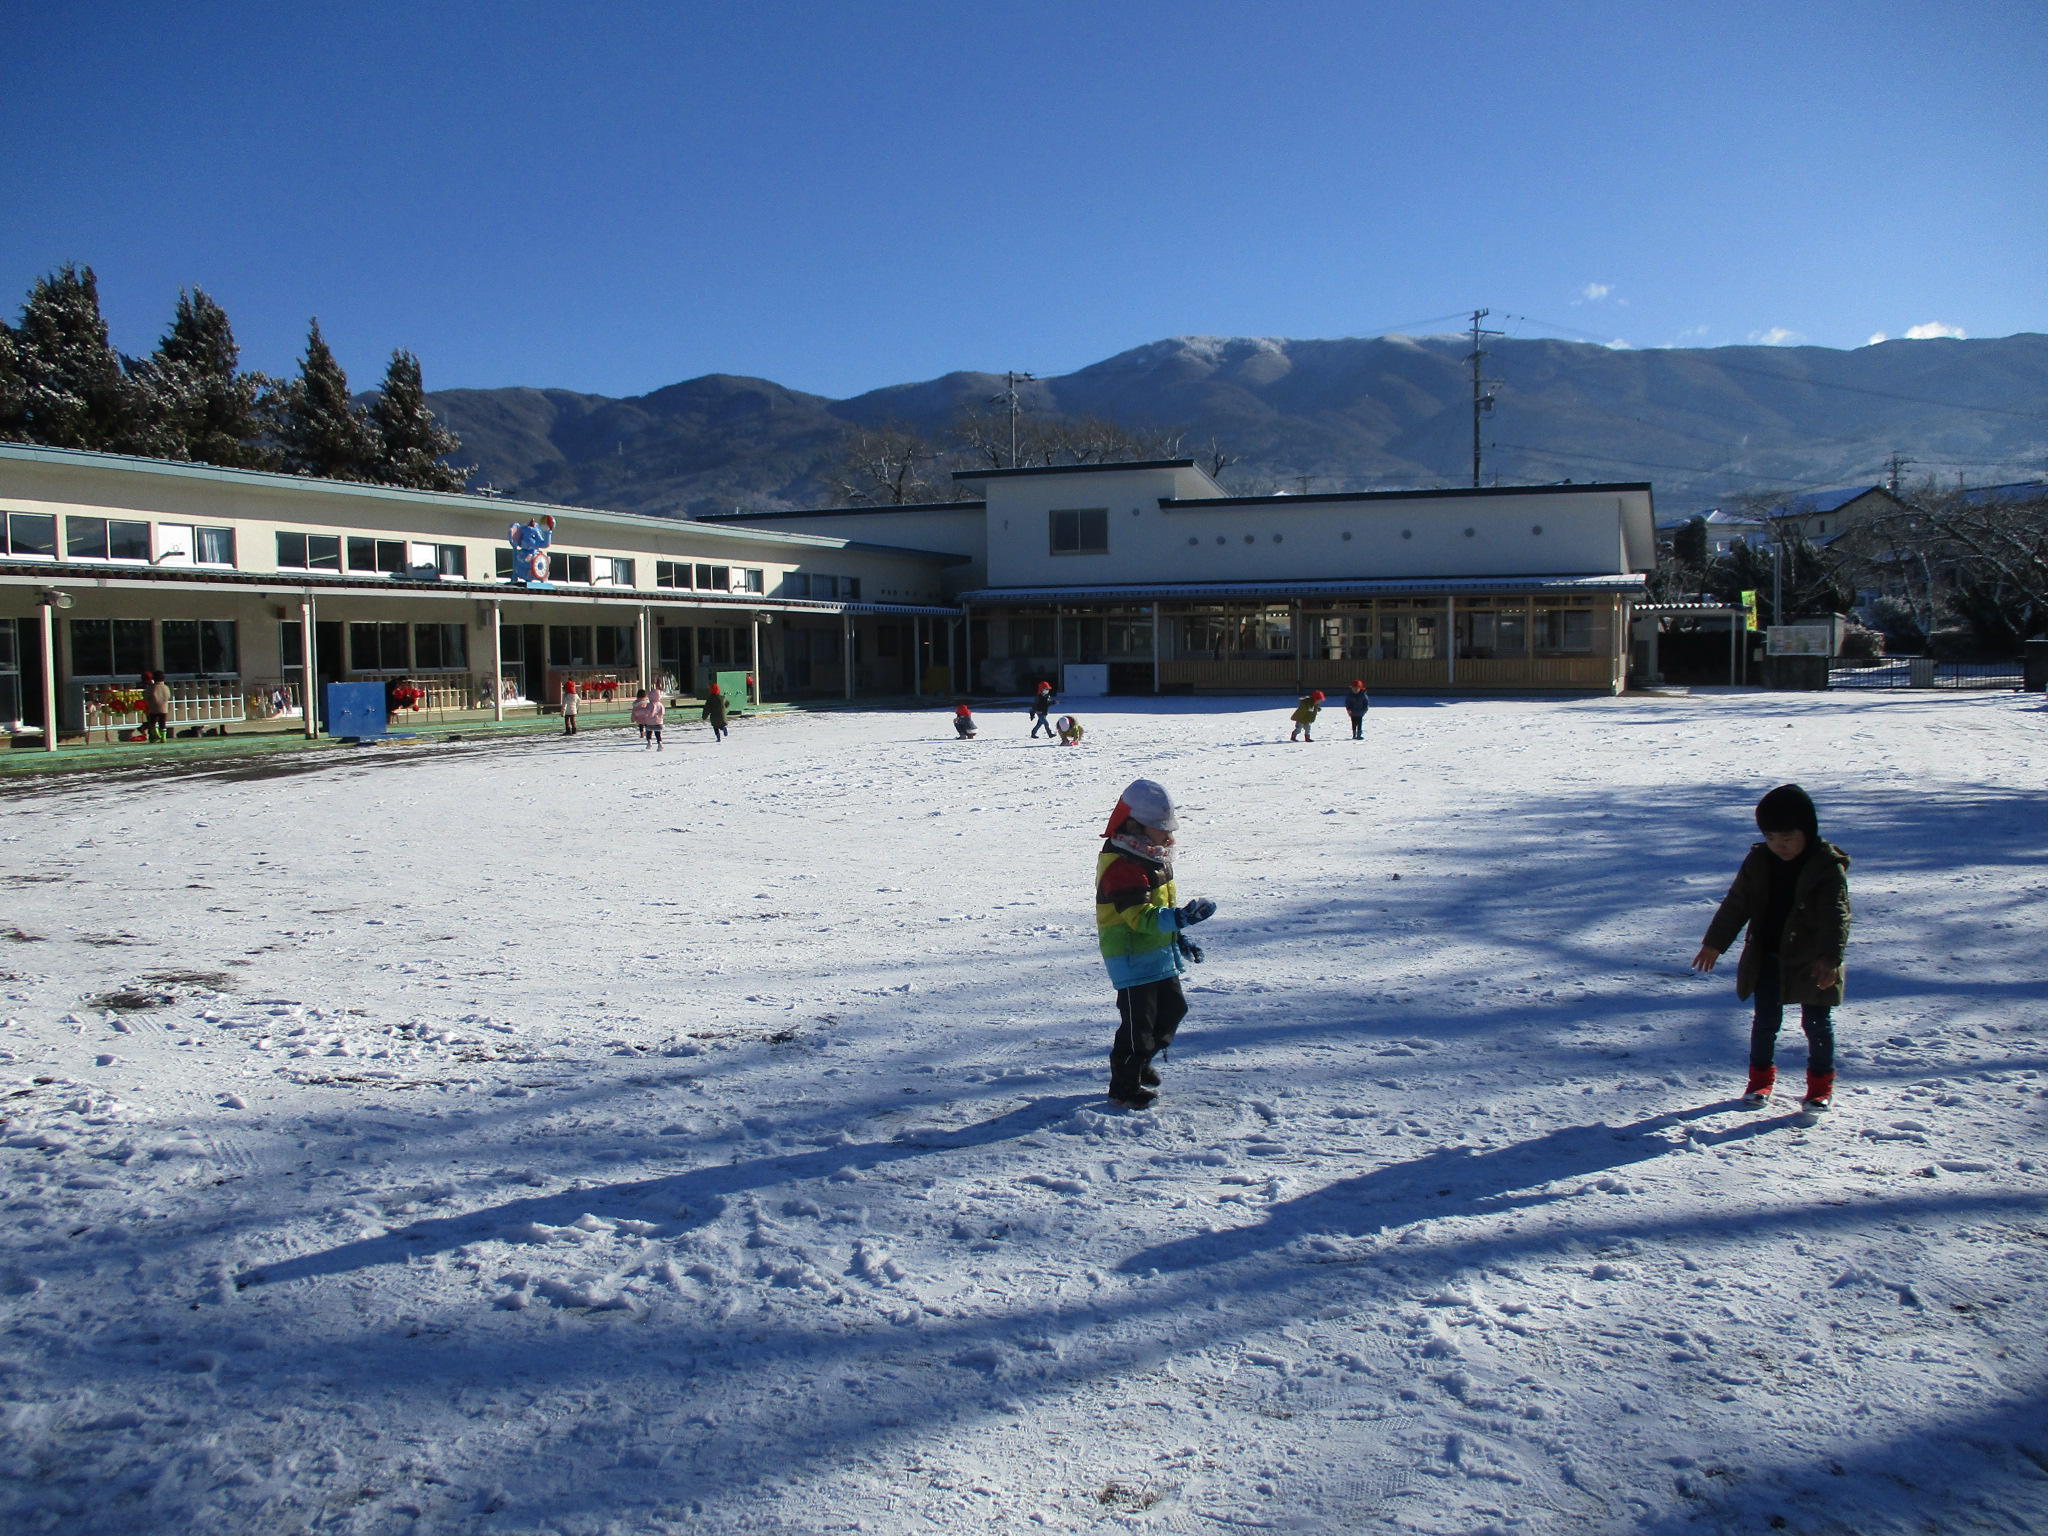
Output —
(842, 196)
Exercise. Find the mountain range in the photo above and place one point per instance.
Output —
(1706, 426)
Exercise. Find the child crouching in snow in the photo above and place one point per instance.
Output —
(1071, 731)
(1792, 892)
(1304, 716)
(1139, 928)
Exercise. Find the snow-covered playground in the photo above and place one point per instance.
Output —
(546, 1135)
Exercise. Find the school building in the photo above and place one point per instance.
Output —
(1155, 580)
(242, 587)
(245, 587)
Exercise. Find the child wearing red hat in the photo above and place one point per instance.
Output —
(1041, 710)
(963, 722)
(1304, 716)
(1355, 705)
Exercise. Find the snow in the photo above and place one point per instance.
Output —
(552, 1136)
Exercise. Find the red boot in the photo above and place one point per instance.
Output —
(1761, 1081)
(1820, 1090)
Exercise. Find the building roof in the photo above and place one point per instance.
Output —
(1824, 501)
(1197, 504)
(1376, 586)
(101, 573)
(494, 506)
(880, 510)
(1070, 469)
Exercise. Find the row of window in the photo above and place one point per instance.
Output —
(122, 649)
(844, 589)
(389, 557)
(710, 578)
(34, 534)
(387, 647)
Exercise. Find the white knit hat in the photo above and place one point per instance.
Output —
(1143, 800)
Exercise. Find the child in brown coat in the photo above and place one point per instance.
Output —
(1792, 892)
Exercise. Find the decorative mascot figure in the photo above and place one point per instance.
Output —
(530, 541)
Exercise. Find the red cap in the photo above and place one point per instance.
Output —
(1317, 695)
(1358, 685)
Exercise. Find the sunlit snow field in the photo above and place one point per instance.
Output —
(553, 1136)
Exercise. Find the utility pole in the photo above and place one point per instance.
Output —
(1895, 466)
(1009, 397)
(1482, 402)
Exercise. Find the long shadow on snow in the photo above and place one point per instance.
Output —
(700, 1193)
(1451, 1181)
(874, 1385)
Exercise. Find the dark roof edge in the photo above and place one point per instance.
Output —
(1071, 469)
(1194, 503)
(870, 511)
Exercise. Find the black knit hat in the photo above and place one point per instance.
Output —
(1788, 808)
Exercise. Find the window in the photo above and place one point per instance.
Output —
(440, 645)
(1563, 632)
(377, 648)
(796, 584)
(452, 560)
(753, 579)
(110, 647)
(183, 544)
(714, 578)
(386, 555)
(213, 546)
(614, 645)
(308, 552)
(200, 647)
(611, 571)
(568, 567)
(569, 645)
(29, 533)
(105, 538)
(291, 645)
(1084, 531)
(671, 573)
(502, 563)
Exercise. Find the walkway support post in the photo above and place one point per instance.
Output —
(1155, 647)
(1450, 640)
(309, 664)
(49, 607)
(846, 651)
(498, 660)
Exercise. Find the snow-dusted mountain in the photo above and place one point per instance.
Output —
(1704, 425)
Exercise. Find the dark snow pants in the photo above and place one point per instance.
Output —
(1818, 1022)
(1149, 1015)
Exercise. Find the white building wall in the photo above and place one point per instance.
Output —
(1540, 534)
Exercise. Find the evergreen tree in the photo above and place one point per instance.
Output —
(77, 394)
(13, 389)
(414, 443)
(209, 412)
(320, 430)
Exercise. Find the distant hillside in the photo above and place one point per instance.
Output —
(1705, 426)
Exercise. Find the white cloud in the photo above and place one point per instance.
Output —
(1593, 293)
(1932, 329)
(1777, 336)
(1619, 344)
(1875, 338)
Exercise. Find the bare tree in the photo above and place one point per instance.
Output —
(888, 465)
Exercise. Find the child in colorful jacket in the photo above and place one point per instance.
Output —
(1071, 731)
(1139, 930)
(649, 710)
